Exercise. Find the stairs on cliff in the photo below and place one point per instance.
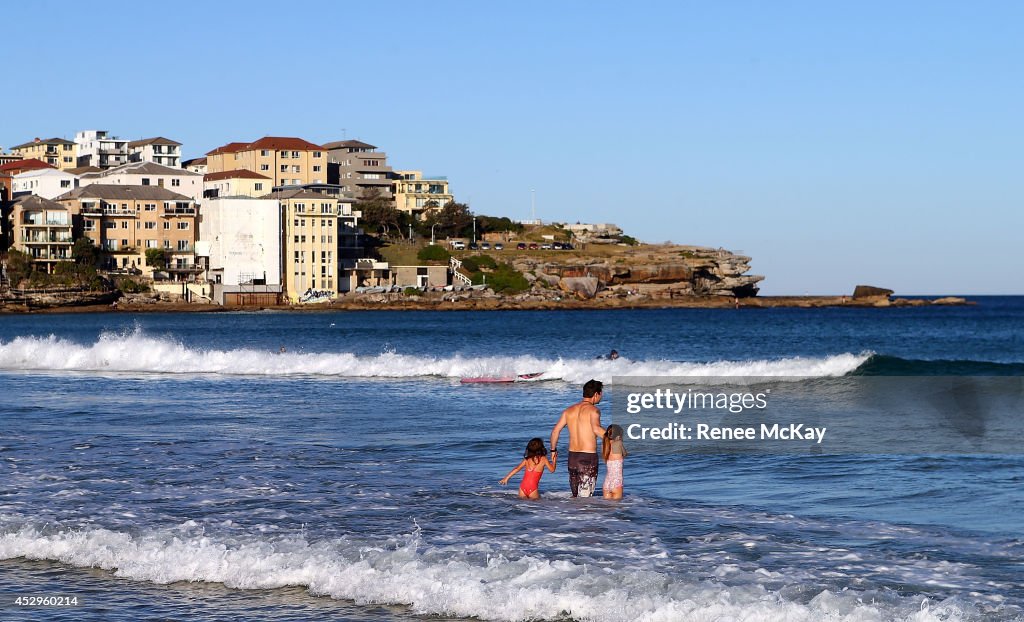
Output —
(458, 272)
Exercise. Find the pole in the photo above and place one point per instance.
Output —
(410, 232)
(474, 229)
(432, 233)
(533, 204)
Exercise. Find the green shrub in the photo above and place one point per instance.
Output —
(433, 253)
(470, 264)
(628, 239)
(486, 261)
(411, 291)
(131, 286)
(504, 279)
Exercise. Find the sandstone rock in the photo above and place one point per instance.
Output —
(582, 286)
(950, 300)
(868, 291)
(549, 279)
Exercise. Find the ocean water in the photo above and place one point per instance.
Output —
(180, 466)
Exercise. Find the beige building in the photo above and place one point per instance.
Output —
(42, 229)
(148, 174)
(57, 152)
(158, 150)
(126, 221)
(287, 161)
(420, 276)
(310, 223)
(240, 183)
(419, 195)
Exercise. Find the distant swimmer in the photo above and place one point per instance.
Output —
(611, 356)
(282, 350)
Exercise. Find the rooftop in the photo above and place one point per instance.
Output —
(158, 140)
(122, 192)
(272, 143)
(48, 141)
(235, 174)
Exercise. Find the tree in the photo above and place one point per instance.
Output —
(433, 253)
(19, 267)
(379, 212)
(452, 219)
(156, 257)
(85, 253)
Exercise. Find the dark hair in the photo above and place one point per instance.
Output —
(592, 388)
(612, 433)
(535, 448)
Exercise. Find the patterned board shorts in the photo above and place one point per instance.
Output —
(582, 473)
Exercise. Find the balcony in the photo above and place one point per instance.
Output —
(109, 211)
(179, 211)
(185, 268)
(46, 239)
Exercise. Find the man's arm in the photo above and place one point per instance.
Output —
(555, 431)
(595, 422)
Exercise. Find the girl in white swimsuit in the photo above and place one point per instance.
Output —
(613, 453)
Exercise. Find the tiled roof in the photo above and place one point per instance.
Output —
(236, 174)
(122, 192)
(32, 201)
(296, 193)
(157, 140)
(81, 170)
(147, 168)
(24, 165)
(48, 141)
(194, 161)
(358, 144)
(272, 143)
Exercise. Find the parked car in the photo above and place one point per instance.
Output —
(499, 246)
(485, 246)
(521, 246)
(533, 246)
(545, 247)
(458, 246)
(556, 246)
(567, 247)
(472, 246)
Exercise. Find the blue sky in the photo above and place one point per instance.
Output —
(835, 143)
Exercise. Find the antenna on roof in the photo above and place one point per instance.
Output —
(344, 134)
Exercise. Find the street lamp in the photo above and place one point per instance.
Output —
(474, 229)
(432, 233)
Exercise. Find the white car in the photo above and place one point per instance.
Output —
(545, 247)
(458, 246)
(499, 246)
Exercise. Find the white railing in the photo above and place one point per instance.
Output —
(455, 264)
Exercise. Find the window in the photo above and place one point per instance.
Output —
(183, 225)
(295, 154)
(295, 168)
(151, 243)
(264, 152)
(264, 167)
(296, 239)
(316, 154)
(110, 225)
(183, 245)
(175, 183)
(167, 226)
(68, 159)
(124, 224)
(296, 222)
(300, 207)
(284, 154)
(303, 238)
(65, 183)
(258, 186)
(284, 168)
(167, 243)
(316, 169)
(150, 207)
(303, 222)
(145, 181)
(151, 225)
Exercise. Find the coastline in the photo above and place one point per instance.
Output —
(509, 303)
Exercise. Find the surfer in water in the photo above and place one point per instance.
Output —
(584, 422)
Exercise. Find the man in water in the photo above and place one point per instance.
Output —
(584, 422)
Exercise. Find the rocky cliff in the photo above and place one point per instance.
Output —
(657, 270)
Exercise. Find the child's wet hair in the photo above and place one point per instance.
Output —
(535, 448)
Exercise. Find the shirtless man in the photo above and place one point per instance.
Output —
(584, 422)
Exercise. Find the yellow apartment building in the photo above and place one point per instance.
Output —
(419, 195)
(286, 161)
(309, 243)
(239, 183)
(57, 152)
(42, 229)
(127, 220)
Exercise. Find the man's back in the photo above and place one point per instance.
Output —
(581, 419)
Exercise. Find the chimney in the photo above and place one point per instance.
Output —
(37, 140)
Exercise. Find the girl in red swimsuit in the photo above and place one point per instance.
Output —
(535, 460)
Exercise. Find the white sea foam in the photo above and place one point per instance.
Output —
(455, 581)
(137, 352)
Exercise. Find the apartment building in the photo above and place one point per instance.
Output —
(240, 183)
(240, 243)
(149, 174)
(158, 150)
(99, 148)
(358, 167)
(42, 229)
(287, 161)
(48, 182)
(196, 165)
(310, 229)
(56, 152)
(418, 195)
(8, 171)
(125, 221)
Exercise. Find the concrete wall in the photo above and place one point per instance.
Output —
(244, 238)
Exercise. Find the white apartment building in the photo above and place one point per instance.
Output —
(241, 241)
(158, 150)
(48, 183)
(99, 148)
(149, 174)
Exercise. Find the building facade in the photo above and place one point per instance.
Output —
(98, 148)
(358, 167)
(240, 183)
(309, 228)
(126, 221)
(56, 152)
(419, 195)
(240, 242)
(48, 183)
(42, 229)
(287, 161)
(158, 150)
(196, 165)
(149, 174)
